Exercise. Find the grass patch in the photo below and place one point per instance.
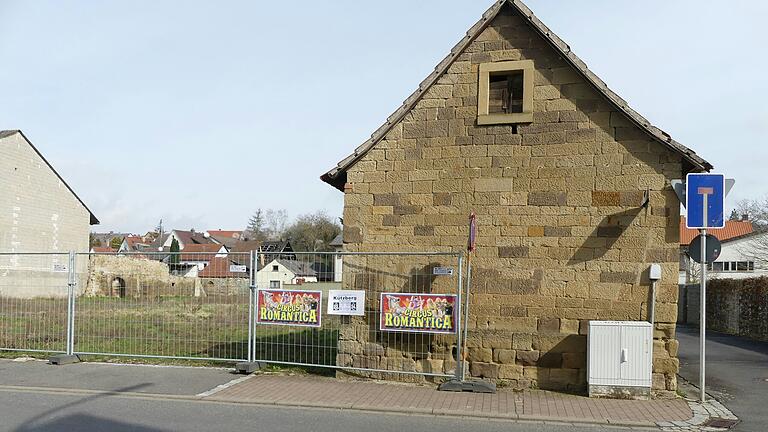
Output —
(204, 327)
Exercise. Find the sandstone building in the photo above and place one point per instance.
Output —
(571, 191)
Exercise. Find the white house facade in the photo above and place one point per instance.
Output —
(284, 272)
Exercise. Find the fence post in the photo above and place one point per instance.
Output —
(459, 329)
(250, 308)
(251, 365)
(69, 357)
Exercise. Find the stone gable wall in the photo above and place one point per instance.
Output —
(562, 239)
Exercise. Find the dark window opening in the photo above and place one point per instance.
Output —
(505, 93)
(751, 265)
(742, 266)
(275, 268)
(717, 266)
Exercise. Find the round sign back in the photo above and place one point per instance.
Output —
(712, 252)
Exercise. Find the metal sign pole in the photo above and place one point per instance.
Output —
(703, 303)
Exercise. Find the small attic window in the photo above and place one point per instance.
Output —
(505, 93)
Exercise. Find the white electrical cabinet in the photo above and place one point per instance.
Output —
(619, 358)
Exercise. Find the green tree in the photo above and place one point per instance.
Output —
(93, 240)
(174, 258)
(255, 229)
(313, 232)
(115, 242)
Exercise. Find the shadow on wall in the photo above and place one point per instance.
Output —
(604, 236)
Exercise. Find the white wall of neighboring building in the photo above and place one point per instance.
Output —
(748, 255)
(38, 213)
(338, 262)
(274, 271)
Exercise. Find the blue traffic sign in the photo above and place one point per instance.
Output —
(705, 200)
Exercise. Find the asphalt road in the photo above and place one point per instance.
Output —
(737, 373)
(38, 397)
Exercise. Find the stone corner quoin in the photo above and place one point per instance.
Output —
(563, 236)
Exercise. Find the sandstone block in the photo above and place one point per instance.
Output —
(484, 355)
(484, 370)
(522, 341)
(513, 251)
(493, 184)
(510, 371)
(505, 356)
(666, 365)
(549, 325)
(528, 358)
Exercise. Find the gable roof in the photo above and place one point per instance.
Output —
(733, 229)
(8, 133)
(298, 268)
(336, 176)
(192, 237)
(219, 267)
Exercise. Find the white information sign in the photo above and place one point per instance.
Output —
(443, 271)
(60, 268)
(342, 302)
(234, 268)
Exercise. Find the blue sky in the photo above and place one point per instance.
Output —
(201, 112)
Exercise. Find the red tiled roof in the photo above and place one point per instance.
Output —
(200, 252)
(732, 229)
(134, 240)
(230, 234)
(219, 268)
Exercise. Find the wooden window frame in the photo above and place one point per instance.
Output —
(483, 91)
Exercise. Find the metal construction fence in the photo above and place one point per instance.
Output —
(372, 312)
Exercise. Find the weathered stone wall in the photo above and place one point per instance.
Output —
(138, 276)
(734, 306)
(562, 239)
(223, 286)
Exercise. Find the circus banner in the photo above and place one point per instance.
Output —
(417, 313)
(289, 307)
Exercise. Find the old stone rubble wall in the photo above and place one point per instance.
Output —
(562, 239)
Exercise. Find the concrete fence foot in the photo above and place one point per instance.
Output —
(473, 386)
(246, 368)
(63, 359)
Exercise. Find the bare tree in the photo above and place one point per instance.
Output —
(756, 210)
(313, 232)
(276, 223)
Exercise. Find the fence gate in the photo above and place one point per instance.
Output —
(367, 313)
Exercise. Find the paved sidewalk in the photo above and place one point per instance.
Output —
(314, 391)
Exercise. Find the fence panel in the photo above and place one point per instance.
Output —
(365, 344)
(34, 301)
(188, 305)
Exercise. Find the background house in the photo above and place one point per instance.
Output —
(734, 229)
(281, 272)
(742, 257)
(227, 238)
(338, 262)
(194, 258)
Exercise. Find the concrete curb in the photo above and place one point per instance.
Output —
(702, 412)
